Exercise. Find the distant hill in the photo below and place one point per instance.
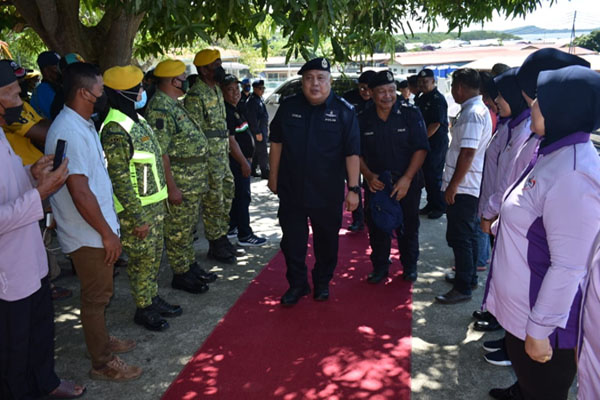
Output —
(534, 30)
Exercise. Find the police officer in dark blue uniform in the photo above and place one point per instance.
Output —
(258, 118)
(434, 108)
(394, 139)
(315, 147)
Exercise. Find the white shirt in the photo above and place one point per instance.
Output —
(471, 130)
(85, 155)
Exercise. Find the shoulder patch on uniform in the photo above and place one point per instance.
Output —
(345, 102)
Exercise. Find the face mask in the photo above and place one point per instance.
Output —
(12, 114)
(219, 74)
(101, 102)
(142, 102)
(246, 88)
(185, 85)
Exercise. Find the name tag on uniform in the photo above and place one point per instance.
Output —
(401, 130)
(296, 116)
(369, 133)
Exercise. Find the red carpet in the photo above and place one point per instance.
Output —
(355, 346)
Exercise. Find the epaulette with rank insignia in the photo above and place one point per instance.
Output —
(345, 102)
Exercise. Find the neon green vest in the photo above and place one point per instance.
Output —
(144, 158)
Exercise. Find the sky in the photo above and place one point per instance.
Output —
(556, 16)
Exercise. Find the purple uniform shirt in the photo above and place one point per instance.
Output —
(23, 260)
(588, 376)
(518, 131)
(546, 230)
(490, 164)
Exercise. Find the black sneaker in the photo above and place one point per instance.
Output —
(498, 357)
(252, 241)
(165, 309)
(493, 345)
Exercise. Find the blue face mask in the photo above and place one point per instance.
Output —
(142, 102)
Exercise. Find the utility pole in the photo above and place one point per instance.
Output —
(571, 44)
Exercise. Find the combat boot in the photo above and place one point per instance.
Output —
(217, 250)
(236, 252)
(150, 319)
(188, 282)
(204, 276)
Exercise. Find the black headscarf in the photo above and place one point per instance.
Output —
(569, 99)
(488, 87)
(507, 86)
(544, 60)
(124, 102)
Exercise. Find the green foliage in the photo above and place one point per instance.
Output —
(590, 41)
(24, 46)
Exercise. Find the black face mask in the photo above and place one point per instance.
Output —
(185, 85)
(101, 102)
(12, 114)
(219, 74)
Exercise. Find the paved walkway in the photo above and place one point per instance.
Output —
(447, 358)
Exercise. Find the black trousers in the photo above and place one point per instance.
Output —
(239, 216)
(27, 346)
(433, 168)
(537, 381)
(461, 235)
(261, 157)
(407, 236)
(326, 223)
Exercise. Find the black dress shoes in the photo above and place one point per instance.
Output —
(487, 326)
(294, 294)
(453, 297)
(377, 276)
(425, 210)
(202, 275)
(482, 315)
(165, 309)
(188, 282)
(356, 226)
(511, 393)
(410, 276)
(150, 319)
(435, 214)
(321, 293)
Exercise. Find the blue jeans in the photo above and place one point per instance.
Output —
(483, 246)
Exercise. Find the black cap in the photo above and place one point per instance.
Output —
(381, 78)
(258, 83)
(17, 69)
(403, 84)
(228, 79)
(319, 64)
(7, 75)
(366, 76)
(426, 73)
(48, 58)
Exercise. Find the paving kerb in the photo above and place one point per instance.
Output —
(447, 357)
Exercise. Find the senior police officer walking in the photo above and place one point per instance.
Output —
(134, 163)
(393, 139)
(184, 149)
(315, 145)
(434, 108)
(205, 104)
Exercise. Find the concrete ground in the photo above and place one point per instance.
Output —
(447, 357)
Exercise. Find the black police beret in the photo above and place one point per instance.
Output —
(319, 64)
(366, 76)
(7, 75)
(381, 78)
(403, 84)
(426, 73)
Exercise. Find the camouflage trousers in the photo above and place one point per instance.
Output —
(216, 202)
(182, 218)
(144, 254)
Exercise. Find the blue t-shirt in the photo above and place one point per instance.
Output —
(41, 99)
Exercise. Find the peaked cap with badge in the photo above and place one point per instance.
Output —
(318, 64)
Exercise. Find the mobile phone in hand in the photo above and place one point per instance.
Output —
(59, 154)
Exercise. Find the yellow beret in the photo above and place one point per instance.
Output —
(122, 78)
(206, 56)
(169, 69)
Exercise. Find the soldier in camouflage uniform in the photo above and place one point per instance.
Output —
(184, 150)
(130, 145)
(205, 104)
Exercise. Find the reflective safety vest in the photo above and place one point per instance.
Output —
(143, 158)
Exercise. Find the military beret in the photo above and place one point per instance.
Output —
(366, 76)
(544, 60)
(47, 58)
(17, 69)
(381, 78)
(169, 69)
(7, 75)
(319, 64)
(403, 84)
(426, 73)
(123, 78)
(206, 56)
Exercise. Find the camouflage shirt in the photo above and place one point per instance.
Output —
(118, 148)
(207, 107)
(178, 134)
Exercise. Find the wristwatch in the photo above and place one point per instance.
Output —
(355, 189)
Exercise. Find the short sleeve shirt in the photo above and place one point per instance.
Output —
(434, 109)
(15, 133)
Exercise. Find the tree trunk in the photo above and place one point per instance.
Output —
(57, 23)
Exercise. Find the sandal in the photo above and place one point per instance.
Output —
(67, 390)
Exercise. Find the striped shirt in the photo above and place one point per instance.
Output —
(472, 130)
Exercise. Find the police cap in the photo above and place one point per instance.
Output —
(403, 84)
(426, 73)
(258, 83)
(169, 69)
(206, 56)
(123, 78)
(319, 64)
(381, 78)
(366, 76)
